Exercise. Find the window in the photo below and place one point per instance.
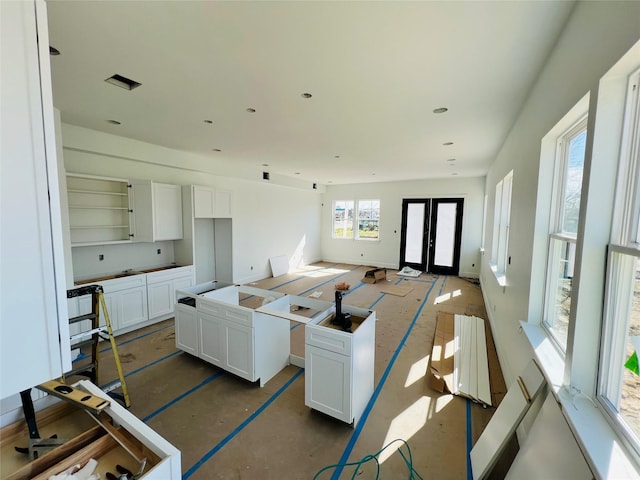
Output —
(619, 382)
(367, 213)
(501, 218)
(343, 219)
(563, 232)
(368, 219)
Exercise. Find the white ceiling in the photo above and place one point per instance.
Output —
(376, 71)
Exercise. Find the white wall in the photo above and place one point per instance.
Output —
(386, 252)
(268, 219)
(595, 37)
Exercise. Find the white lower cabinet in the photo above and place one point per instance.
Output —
(161, 289)
(210, 339)
(131, 306)
(339, 365)
(328, 382)
(187, 336)
(250, 344)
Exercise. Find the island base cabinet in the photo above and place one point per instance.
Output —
(238, 346)
(187, 329)
(211, 335)
(328, 383)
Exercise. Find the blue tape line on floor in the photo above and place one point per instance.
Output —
(356, 433)
(119, 344)
(180, 397)
(240, 427)
(155, 362)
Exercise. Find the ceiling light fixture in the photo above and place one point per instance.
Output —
(446, 144)
(306, 95)
(297, 173)
(451, 160)
(440, 110)
(251, 110)
(265, 164)
(114, 122)
(216, 150)
(336, 156)
(454, 173)
(122, 82)
(53, 50)
(208, 121)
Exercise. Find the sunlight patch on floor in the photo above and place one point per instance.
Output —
(417, 371)
(447, 296)
(405, 426)
(442, 402)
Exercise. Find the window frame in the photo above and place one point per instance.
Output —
(355, 220)
(501, 228)
(623, 259)
(557, 232)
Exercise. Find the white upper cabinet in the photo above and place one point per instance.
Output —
(157, 211)
(33, 306)
(209, 202)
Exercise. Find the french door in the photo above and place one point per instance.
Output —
(431, 234)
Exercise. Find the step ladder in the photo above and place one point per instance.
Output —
(92, 337)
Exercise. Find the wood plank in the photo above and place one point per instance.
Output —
(484, 387)
(505, 420)
(51, 458)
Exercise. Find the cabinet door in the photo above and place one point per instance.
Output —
(222, 204)
(132, 308)
(33, 304)
(211, 339)
(203, 202)
(182, 283)
(161, 298)
(187, 329)
(327, 382)
(239, 351)
(167, 212)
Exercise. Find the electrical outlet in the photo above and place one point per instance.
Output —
(101, 257)
(159, 251)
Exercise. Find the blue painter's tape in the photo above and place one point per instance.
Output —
(240, 427)
(356, 433)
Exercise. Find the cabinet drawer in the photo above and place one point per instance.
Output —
(239, 315)
(169, 274)
(329, 339)
(124, 283)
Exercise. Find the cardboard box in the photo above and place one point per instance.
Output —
(375, 275)
(441, 361)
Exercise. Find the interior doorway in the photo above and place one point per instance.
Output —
(431, 234)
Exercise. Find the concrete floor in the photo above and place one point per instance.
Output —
(229, 428)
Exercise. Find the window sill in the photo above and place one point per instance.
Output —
(501, 277)
(598, 441)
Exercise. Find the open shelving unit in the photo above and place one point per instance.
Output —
(99, 210)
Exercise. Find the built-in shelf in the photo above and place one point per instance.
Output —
(98, 210)
(94, 192)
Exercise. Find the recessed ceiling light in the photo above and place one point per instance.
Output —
(451, 159)
(216, 150)
(297, 173)
(373, 174)
(454, 173)
(336, 156)
(122, 82)
(446, 144)
(251, 110)
(114, 122)
(306, 95)
(265, 164)
(440, 110)
(330, 181)
(53, 50)
(208, 121)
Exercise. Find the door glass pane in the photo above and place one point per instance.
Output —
(445, 234)
(415, 233)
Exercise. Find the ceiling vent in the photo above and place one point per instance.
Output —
(122, 82)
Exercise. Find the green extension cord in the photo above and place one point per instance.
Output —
(413, 475)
